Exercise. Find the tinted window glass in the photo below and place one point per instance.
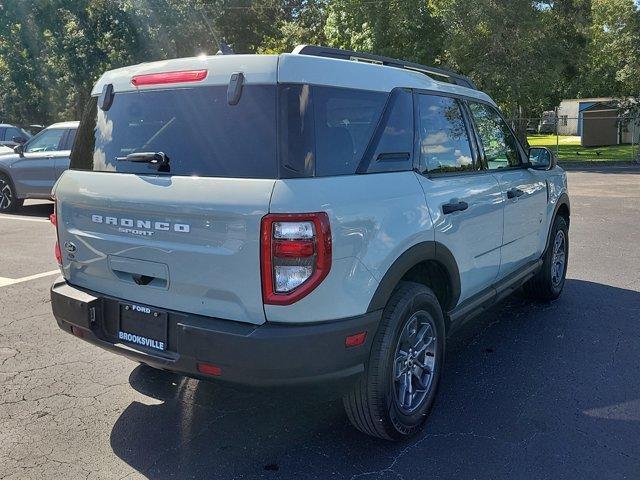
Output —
(444, 141)
(499, 143)
(296, 130)
(14, 132)
(394, 147)
(325, 131)
(45, 141)
(68, 143)
(344, 122)
(195, 127)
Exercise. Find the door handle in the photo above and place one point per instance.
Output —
(448, 208)
(514, 193)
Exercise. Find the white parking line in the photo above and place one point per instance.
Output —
(26, 219)
(4, 281)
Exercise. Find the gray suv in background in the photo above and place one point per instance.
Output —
(33, 168)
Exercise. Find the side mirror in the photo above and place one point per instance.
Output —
(541, 158)
(19, 149)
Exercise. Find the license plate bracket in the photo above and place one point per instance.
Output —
(143, 326)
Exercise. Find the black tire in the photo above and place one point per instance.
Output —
(373, 405)
(548, 283)
(8, 201)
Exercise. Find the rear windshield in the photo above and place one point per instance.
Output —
(272, 132)
(195, 127)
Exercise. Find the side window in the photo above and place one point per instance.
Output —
(499, 143)
(444, 140)
(45, 141)
(12, 132)
(68, 141)
(344, 122)
(2, 132)
(394, 144)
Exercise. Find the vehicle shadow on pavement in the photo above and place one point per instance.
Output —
(32, 209)
(544, 390)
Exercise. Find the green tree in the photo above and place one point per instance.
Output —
(612, 67)
(406, 29)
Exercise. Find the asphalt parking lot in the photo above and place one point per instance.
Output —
(529, 391)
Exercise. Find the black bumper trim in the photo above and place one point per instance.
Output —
(261, 355)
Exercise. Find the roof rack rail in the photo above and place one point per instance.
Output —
(444, 75)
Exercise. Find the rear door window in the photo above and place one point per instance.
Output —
(69, 139)
(195, 127)
(444, 139)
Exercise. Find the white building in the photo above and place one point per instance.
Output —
(570, 113)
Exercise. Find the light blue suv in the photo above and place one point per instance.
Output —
(320, 216)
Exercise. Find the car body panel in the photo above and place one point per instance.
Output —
(524, 217)
(474, 236)
(203, 256)
(374, 219)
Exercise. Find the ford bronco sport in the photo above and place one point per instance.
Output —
(320, 216)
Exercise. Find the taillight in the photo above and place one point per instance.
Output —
(169, 77)
(53, 218)
(295, 255)
(58, 253)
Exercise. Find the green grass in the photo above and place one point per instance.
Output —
(568, 148)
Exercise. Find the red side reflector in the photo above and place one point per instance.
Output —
(77, 331)
(58, 253)
(169, 77)
(355, 340)
(208, 369)
(53, 218)
(293, 248)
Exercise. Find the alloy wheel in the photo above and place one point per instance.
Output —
(559, 258)
(414, 362)
(6, 195)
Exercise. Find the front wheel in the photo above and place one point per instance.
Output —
(396, 393)
(549, 281)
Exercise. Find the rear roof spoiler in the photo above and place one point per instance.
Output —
(441, 74)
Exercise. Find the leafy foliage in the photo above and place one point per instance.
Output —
(526, 54)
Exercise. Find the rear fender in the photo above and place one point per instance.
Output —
(415, 255)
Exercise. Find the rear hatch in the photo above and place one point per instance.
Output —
(183, 236)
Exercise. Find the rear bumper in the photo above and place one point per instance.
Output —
(260, 355)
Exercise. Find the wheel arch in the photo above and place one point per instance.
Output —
(562, 208)
(430, 263)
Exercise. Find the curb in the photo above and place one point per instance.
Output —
(570, 165)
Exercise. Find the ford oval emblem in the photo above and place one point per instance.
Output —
(70, 247)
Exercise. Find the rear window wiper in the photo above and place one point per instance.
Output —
(160, 159)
